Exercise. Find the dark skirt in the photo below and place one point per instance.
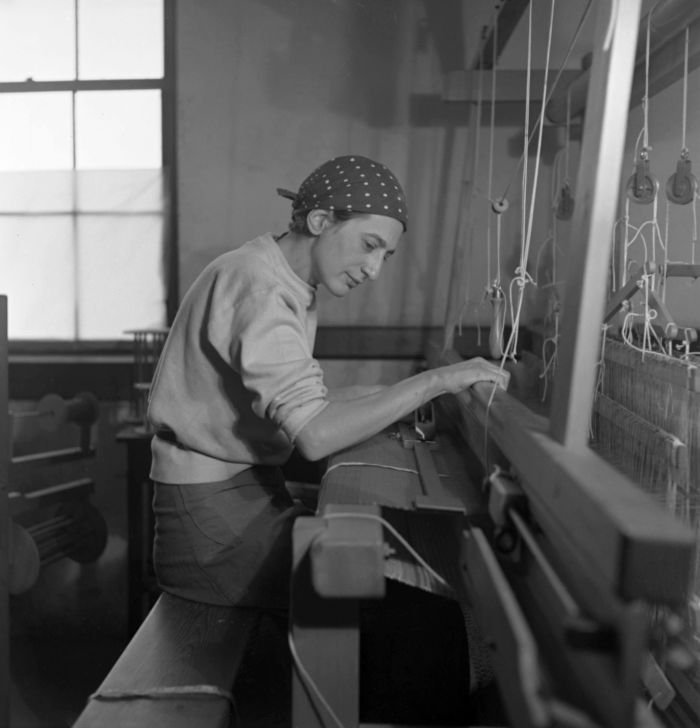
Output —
(228, 542)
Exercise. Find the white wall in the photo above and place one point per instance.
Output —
(269, 89)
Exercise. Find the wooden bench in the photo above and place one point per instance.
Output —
(178, 669)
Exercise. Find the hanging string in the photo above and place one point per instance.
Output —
(473, 191)
(684, 146)
(546, 99)
(522, 277)
(568, 136)
(492, 134)
(695, 230)
(645, 101)
(664, 269)
(550, 348)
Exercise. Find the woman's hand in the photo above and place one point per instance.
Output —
(460, 376)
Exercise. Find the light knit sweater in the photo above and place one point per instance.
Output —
(236, 380)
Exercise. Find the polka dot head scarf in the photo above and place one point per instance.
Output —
(354, 184)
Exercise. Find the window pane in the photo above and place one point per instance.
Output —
(37, 275)
(37, 40)
(120, 274)
(36, 131)
(37, 192)
(122, 190)
(118, 130)
(120, 39)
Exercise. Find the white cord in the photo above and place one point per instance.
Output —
(376, 465)
(399, 538)
(309, 682)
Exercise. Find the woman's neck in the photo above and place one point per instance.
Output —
(296, 249)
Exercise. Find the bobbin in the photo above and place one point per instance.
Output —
(75, 530)
(52, 411)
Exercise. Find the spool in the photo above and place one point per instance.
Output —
(23, 562)
(76, 531)
(52, 411)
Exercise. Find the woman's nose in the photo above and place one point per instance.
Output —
(372, 267)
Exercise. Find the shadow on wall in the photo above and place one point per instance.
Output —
(352, 47)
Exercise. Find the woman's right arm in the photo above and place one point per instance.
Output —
(344, 423)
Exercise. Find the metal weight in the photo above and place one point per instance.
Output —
(642, 186)
(682, 184)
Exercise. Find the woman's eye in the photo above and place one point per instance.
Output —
(368, 245)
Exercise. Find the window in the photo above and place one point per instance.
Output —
(84, 167)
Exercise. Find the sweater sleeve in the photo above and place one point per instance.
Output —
(263, 338)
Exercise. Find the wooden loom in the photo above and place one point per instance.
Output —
(566, 606)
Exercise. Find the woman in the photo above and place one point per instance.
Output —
(237, 387)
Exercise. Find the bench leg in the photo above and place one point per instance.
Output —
(326, 640)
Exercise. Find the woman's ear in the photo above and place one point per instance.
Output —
(318, 220)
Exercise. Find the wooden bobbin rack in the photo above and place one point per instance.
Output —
(52, 520)
(148, 344)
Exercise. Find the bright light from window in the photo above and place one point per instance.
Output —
(37, 40)
(120, 39)
(118, 130)
(35, 131)
(38, 276)
(82, 203)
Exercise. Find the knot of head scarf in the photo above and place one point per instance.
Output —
(354, 184)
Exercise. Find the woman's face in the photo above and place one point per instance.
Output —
(349, 253)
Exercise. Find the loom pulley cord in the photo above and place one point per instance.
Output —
(642, 186)
(682, 185)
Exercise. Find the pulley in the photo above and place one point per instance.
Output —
(642, 185)
(682, 184)
(500, 206)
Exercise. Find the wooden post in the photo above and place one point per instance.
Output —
(596, 202)
(4, 523)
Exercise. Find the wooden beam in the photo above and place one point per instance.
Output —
(666, 62)
(603, 528)
(604, 132)
(444, 18)
(681, 270)
(508, 18)
(4, 523)
(510, 85)
(630, 289)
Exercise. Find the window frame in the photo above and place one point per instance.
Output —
(35, 349)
